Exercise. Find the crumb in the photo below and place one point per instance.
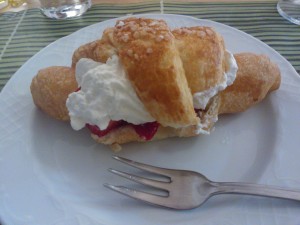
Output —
(130, 52)
(120, 24)
(149, 50)
(201, 34)
(136, 56)
(115, 147)
(159, 38)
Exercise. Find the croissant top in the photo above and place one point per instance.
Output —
(164, 67)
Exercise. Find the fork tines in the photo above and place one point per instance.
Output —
(140, 195)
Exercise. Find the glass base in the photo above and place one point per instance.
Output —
(66, 11)
(3, 4)
(290, 10)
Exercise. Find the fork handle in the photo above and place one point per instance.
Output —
(255, 189)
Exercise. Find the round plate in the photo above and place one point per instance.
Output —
(51, 174)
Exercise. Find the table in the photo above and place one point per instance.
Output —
(36, 3)
(24, 33)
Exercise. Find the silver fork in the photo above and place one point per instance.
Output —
(189, 189)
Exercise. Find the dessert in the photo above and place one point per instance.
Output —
(142, 81)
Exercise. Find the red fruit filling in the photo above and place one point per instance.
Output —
(146, 131)
(112, 125)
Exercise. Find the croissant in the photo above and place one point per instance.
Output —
(153, 83)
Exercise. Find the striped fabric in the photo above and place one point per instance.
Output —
(23, 34)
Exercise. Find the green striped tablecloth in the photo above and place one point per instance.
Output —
(23, 34)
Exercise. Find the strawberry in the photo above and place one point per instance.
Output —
(146, 130)
(112, 125)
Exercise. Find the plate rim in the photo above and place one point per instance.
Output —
(16, 76)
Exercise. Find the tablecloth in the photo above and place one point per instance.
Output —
(24, 33)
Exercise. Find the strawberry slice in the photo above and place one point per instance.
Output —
(112, 125)
(146, 130)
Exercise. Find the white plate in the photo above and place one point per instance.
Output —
(50, 174)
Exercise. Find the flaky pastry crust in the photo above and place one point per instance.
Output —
(256, 77)
(165, 68)
(202, 52)
(50, 89)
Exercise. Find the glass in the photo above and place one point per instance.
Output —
(63, 9)
(290, 10)
(16, 3)
(3, 4)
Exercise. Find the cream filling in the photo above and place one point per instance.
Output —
(203, 126)
(106, 94)
(200, 99)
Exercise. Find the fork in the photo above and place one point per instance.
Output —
(189, 189)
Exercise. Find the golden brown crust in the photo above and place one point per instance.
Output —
(256, 77)
(85, 51)
(152, 55)
(99, 50)
(148, 52)
(201, 49)
(165, 70)
(149, 55)
(202, 54)
(50, 89)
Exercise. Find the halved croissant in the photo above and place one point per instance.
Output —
(50, 89)
(165, 69)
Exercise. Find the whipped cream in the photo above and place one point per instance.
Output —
(106, 94)
(200, 99)
(204, 126)
(207, 119)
